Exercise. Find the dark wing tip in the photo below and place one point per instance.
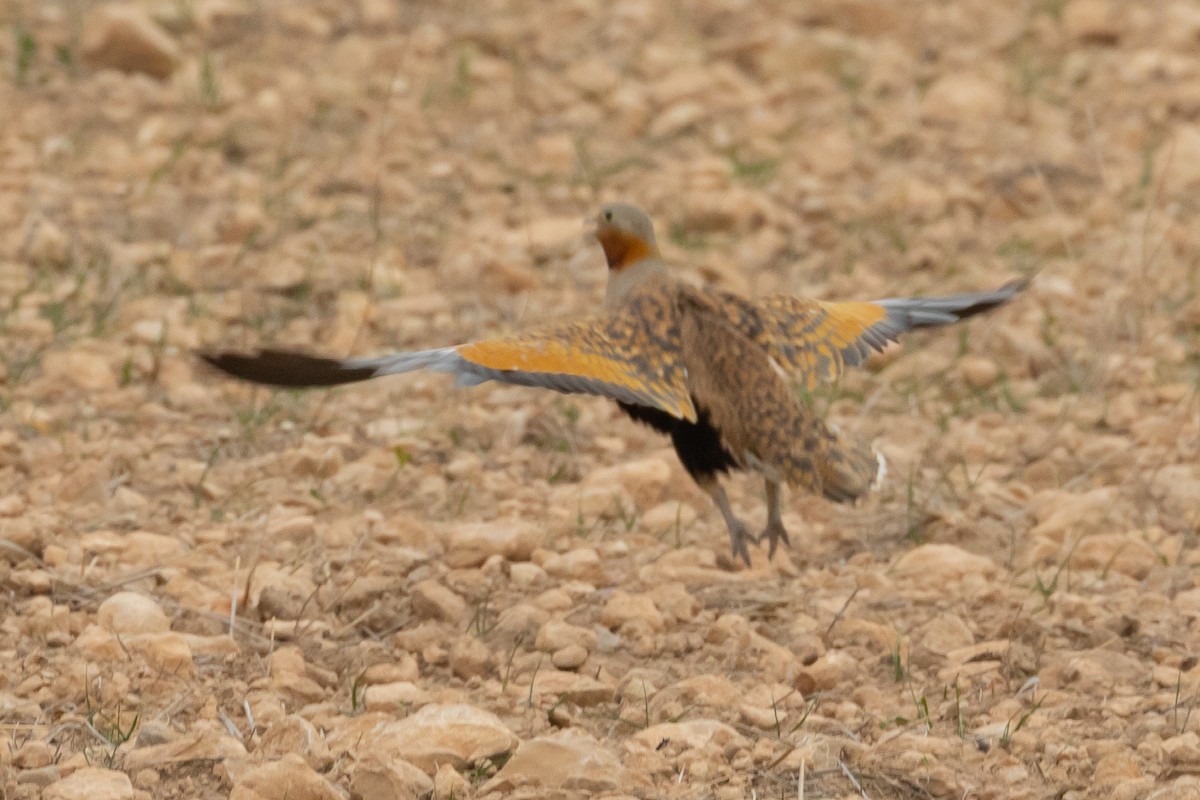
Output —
(286, 368)
(990, 300)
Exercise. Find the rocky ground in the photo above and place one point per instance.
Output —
(392, 590)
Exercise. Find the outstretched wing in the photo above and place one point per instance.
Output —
(613, 356)
(815, 341)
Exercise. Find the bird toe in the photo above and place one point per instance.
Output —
(738, 539)
(774, 533)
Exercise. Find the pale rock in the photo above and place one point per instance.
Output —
(570, 760)
(294, 734)
(170, 652)
(555, 153)
(12, 505)
(695, 734)
(668, 516)
(470, 544)
(469, 657)
(1092, 21)
(511, 277)
(1183, 751)
(715, 691)
(864, 17)
(832, 669)
(582, 690)
(292, 527)
(676, 118)
(734, 209)
(131, 612)
(33, 755)
(592, 499)
(1140, 788)
(201, 744)
(126, 499)
(1115, 768)
(98, 643)
(942, 564)
(1178, 488)
(239, 222)
(289, 778)
(978, 372)
(547, 234)
(1187, 602)
(526, 575)
(91, 783)
(1184, 164)
(912, 196)
(222, 20)
(432, 600)
(763, 717)
(520, 623)
(688, 565)
(581, 564)
(623, 607)
(1063, 512)
(875, 636)
(123, 37)
(991, 650)
(557, 634)
(593, 76)
(673, 600)
(831, 154)
(449, 784)
(379, 776)
(33, 581)
(46, 245)
(395, 696)
(963, 98)
(644, 479)
(789, 50)
(556, 601)
(571, 657)
(683, 83)
(289, 675)
(40, 777)
(404, 668)
(279, 274)
(943, 633)
(79, 368)
(293, 629)
(1124, 553)
(458, 735)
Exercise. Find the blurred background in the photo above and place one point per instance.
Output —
(351, 177)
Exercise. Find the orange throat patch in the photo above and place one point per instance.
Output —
(622, 248)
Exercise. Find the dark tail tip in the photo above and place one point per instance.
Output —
(990, 300)
(286, 368)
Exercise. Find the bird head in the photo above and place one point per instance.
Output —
(626, 234)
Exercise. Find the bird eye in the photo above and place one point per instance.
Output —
(608, 215)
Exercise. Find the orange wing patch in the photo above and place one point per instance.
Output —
(812, 341)
(618, 357)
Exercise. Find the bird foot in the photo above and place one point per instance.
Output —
(738, 539)
(773, 533)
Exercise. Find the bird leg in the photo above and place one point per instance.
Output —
(738, 535)
(774, 530)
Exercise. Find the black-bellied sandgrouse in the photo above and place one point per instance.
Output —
(715, 371)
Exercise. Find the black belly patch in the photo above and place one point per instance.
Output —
(697, 444)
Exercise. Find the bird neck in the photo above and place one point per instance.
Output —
(625, 283)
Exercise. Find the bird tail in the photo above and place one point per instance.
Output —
(849, 468)
(298, 370)
(909, 313)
